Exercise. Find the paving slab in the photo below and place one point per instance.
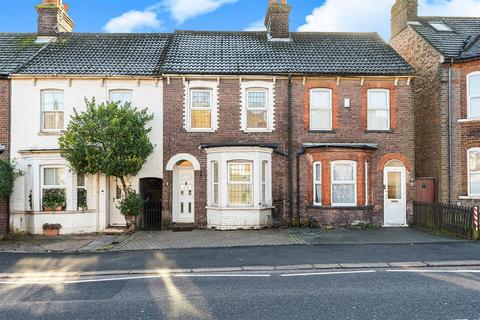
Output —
(228, 269)
(412, 264)
(453, 263)
(258, 268)
(363, 265)
(295, 267)
(327, 266)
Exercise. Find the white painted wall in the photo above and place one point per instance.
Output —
(27, 135)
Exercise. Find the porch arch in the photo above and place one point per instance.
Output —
(182, 157)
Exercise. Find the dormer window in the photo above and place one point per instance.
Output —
(440, 26)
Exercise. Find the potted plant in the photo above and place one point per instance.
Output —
(130, 206)
(51, 229)
(53, 200)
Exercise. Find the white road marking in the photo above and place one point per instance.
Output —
(433, 271)
(23, 282)
(326, 273)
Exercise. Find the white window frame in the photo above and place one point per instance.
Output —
(330, 108)
(477, 150)
(354, 182)
(440, 26)
(316, 182)
(469, 96)
(263, 183)
(215, 202)
(378, 109)
(251, 183)
(56, 187)
(190, 87)
(122, 91)
(253, 109)
(82, 187)
(248, 86)
(43, 111)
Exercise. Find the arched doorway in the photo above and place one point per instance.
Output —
(183, 207)
(151, 191)
(395, 197)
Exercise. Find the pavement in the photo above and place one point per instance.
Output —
(356, 294)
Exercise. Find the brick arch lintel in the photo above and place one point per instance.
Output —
(471, 144)
(394, 156)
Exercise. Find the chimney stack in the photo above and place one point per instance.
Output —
(403, 11)
(277, 20)
(53, 18)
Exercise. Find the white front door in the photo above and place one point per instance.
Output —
(395, 203)
(184, 189)
(116, 193)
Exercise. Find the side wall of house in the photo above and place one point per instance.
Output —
(5, 140)
(431, 109)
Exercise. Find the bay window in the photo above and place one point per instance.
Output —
(378, 109)
(321, 109)
(215, 183)
(317, 184)
(344, 183)
(257, 109)
(264, 183)
(473, 89)
(200, 109)
(52, 102)
(240, 184)
(474, 172)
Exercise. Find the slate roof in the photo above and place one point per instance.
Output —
(463, 42)
(15, 50)
(129, 54)
(198, 52)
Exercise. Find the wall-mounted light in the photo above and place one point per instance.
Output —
(347, 103)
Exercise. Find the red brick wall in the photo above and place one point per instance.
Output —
(351, 127)
(5, 140)
(177, 140)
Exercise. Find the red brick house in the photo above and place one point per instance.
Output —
(446, 54)
(269, 128)
(15, 50)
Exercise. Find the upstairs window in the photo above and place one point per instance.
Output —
(473, 89)
(257, 109)
(52, 110)
(378, 110)
(121, 96)
(200, 109)
(320, 109)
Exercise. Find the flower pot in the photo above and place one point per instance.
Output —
(130, 220)
(51, 233)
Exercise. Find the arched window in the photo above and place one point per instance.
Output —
(395, 164)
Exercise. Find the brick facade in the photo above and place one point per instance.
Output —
(349, 127)
(431, 116)
(5, 140)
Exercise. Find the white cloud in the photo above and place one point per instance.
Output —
(133, 21)
(258, 25)
(182, 10)
(374, 15)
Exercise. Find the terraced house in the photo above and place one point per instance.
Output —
(446, 54)
(252, 129)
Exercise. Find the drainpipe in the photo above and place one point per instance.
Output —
(290, 151)
(300, 152)
(450, 132)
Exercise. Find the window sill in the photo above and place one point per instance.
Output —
(258, 131)
(469, 197)
(378, 131)
(59, 212)
(200, 131)
(321, 131)
(468, 120)
(50, 133)
(340, 208)
(239, 208)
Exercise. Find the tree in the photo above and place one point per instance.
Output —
(111, 139)
(8, 174)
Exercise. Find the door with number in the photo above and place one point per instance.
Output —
(185, 208)
(395, 204)
(116, 194)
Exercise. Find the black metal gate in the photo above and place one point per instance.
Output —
(151, 191)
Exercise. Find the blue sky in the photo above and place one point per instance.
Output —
(168, 15)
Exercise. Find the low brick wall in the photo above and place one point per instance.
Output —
(328, 216)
